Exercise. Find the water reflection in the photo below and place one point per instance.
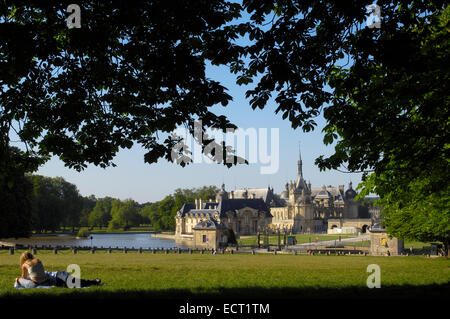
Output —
(146, 241)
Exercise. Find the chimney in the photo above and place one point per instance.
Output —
(200, 204)
(196, 203)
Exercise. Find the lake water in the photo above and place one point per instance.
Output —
(144, 240)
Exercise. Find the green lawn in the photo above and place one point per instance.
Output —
(417, 244)
(419, 247)
(266, 275)
(301, 239)
(365, 243)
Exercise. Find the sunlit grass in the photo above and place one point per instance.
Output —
(197, 273)
(301, 239)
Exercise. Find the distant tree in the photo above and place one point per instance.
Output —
(71, 202)
(55, 203)
(123, 214)
(182, 196)
(151, 213)
(143, 213)
(206, 193)
(47, 204)
(161, 214)
(167, 212)
(130, 213)
(101, 213)
(114, 224)
(88, 205)
(116, 218)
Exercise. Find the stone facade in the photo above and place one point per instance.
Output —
(382, 245)
(360, 225)
(299, 209)
(245, 216)
(209, 234)
(307, 209)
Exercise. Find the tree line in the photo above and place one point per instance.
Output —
(47, 204)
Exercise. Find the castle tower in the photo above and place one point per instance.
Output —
(285, 193)
(300, 184)
(351, 206)
(222, 194)
(301, 195)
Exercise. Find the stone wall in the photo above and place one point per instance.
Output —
(208, 239)
(247, 221)
(184, 239)
(382, 245)
(361, 224)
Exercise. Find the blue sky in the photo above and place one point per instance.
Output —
(132, 178)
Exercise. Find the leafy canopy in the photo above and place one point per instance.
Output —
(129, 73)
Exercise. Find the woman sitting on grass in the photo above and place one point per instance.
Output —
(34, 274)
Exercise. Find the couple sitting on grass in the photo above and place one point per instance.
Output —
(34, 275)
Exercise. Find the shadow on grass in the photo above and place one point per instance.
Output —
(435, 291)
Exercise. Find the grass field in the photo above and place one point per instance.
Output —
(301, 239)
(365, 243)
(262, 275)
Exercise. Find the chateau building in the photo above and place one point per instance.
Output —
(307, 209)
(299, 209)
(245, 216)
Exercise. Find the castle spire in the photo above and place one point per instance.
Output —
(300, 184)
(299, 163)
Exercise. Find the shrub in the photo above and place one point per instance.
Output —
(83, 232)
